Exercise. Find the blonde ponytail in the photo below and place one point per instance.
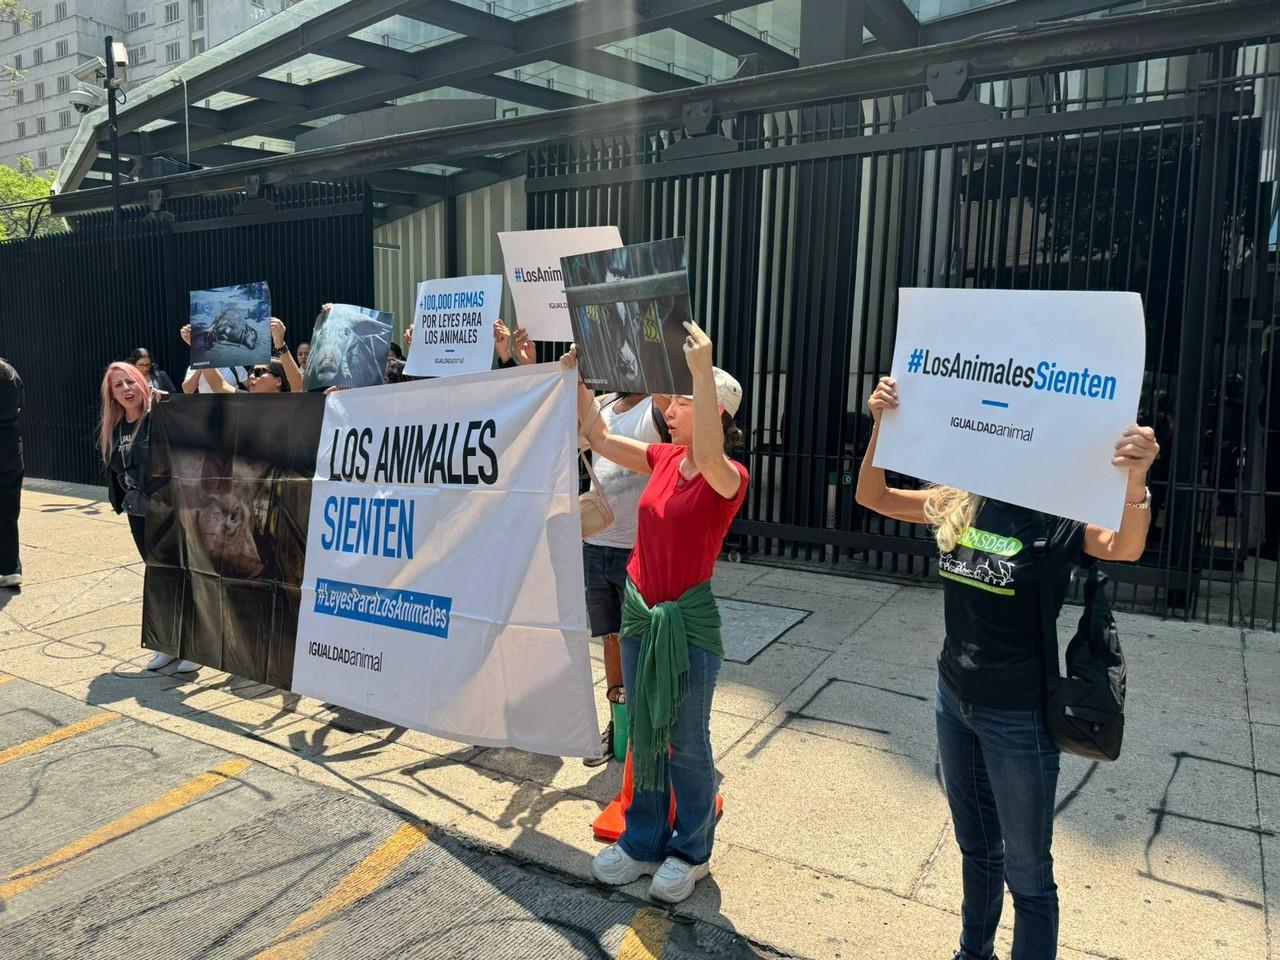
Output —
(950, 512)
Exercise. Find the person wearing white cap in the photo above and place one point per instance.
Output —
(671, 647)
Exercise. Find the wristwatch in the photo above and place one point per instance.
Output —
(1143, 504)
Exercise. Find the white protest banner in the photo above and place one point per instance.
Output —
(443, 580)
(531, 259)
(1017, 395)
(452, 325)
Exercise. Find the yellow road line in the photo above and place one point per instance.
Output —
(297, 940)
(647, 937)
(91, 722)
(55, 863)
(5, 678)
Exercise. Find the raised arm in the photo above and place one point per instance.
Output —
(624, 451)
(873, 491)
(708, 431)
(291, 371)
(192, 383)
(1135, 451)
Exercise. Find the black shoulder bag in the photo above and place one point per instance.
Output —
(1084, 708)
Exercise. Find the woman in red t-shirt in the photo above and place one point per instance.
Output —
(671, 649)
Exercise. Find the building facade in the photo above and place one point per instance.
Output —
(43, 49)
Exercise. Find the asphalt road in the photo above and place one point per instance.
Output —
(124, 840)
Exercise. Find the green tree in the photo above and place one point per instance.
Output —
(30, 220)
(10, 11)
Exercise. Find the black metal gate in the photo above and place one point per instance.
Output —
(70, 303)
(1156, 176)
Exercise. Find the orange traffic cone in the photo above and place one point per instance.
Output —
(612, 822)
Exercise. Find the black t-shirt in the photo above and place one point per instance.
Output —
(130, 458)
(993, 655)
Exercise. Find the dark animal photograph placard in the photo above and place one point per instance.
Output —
(349, 348)
(628, 308)
(231, 326)
(226, 529)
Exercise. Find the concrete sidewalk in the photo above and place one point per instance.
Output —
(835, 841)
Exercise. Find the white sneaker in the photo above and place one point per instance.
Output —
(615, 867)
(159, 661)
(11, 580)
(673, 883)
(186, 666)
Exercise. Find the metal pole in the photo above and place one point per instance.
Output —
(186, 120)
(113, 130)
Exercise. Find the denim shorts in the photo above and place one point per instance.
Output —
(606, 577)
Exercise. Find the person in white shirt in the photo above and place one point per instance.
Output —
(604, 556)
(194, 382)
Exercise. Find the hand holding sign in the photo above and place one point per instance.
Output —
(1137, 449)
(883, 397)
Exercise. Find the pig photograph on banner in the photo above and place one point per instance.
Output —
(349, 348)
(227, 529)
(230, 326)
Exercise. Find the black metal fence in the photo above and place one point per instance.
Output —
(1157, 176)
(70, 303)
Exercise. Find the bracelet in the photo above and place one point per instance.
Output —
(1143, 504)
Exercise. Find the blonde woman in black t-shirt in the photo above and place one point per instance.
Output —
(999, 766)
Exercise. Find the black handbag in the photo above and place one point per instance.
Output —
(1084, 708)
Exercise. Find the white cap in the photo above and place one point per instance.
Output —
(728, 392)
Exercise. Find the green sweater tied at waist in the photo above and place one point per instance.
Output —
(662, 672)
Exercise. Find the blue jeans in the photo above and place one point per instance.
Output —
(690, 771)
(1000, 770)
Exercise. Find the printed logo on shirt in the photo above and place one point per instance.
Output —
(991, 543)
(985, 570)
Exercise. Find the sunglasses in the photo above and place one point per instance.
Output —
(260, 372)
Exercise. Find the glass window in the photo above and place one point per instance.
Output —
(197, 15)
(137, 55)
(64, 84)
(197, 46)
(42, 159)
(63, 48)
(172, 52)
(64, 118)
(40, 125)
(37, 56)
(40, 90)
(136, 19)
(171, 13)
(37, 19)
(60, 10)
(22, 128)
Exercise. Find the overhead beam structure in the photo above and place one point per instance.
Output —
(481, 59)
(714, 32)
(1062, 45)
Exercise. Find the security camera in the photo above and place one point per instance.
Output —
(91, 71)
(120, 58)
(86, 99)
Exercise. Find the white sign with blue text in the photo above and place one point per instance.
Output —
(452, 326)
(443, 580)
(1017, 395)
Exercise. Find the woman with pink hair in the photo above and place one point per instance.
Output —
(124, 441)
